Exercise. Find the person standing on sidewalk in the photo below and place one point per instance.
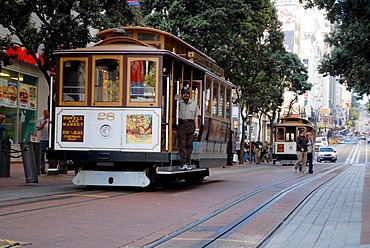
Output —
(265, 152)
(188, 127)
(43, 127)
(301, 150)
(309, 152)
(258, 147)
(238, 146)
(2, 127)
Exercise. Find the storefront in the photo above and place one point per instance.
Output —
(23, 97)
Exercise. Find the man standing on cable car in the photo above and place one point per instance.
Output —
(188, 127)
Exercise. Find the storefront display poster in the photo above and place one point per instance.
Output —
(8, 93)
(27, 96)
(3, 92)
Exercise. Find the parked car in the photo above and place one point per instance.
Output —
(327, 154)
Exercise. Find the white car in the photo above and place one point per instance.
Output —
(326, 153)
(320, 142)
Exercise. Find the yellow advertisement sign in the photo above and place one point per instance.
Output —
(72, 128)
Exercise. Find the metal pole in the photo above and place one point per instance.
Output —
(5, 158)
(29, 162)
(250, 139)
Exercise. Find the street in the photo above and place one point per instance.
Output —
(56, 213)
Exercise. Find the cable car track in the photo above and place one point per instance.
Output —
(14, 207)
(223, 233)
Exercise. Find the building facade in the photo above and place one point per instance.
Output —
(24, 95)
(327, 103)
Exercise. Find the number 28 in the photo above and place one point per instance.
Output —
(106, 116)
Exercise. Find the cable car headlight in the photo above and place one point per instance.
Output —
(106, 131)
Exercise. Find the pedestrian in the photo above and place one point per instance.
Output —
(188, 127)
(253, 149)
(301, 150)
(2, 127)
(258, 147)
(237, 145)
(265, 152)
(43, 127)
(246, 152)
(310, 146)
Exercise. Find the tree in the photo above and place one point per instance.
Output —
(243, 35)
(350, 54)
(287, 73)
(61, 24)
(5, 43)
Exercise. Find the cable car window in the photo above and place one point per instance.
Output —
(148, 36)
(280, 134)
(290, 134)
(222, 102)
(215, 98)
(74, 79)
(208, 95)
(143, 78)
(228, 103)
(196, 93)
(107, 80)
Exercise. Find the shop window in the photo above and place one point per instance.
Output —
(74, 79)
(107, 81)
(143, 77)
(18, 102)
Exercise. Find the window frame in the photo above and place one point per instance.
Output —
(129, 103)
(121, 76)
(277, 132)
(61, 82)
(208, 96)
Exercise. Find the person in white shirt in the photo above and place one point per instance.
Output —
(188, 127)
(43, 127)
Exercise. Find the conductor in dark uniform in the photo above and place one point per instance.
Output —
(188, 127)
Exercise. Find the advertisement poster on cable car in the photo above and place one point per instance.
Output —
(108, 128)
(139, 129)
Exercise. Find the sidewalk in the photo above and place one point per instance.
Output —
(15, 186)
(338, 215)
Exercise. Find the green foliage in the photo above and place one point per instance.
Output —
(62, 24)
(5, 43)
(350, 56)
(245, 38)
(354, 114)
